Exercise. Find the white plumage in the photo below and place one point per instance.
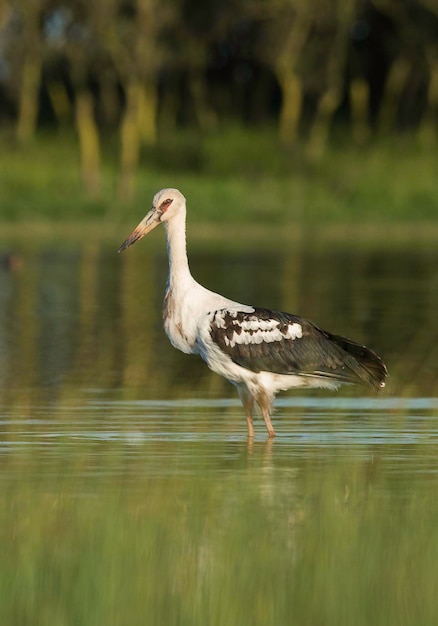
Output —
(258, 350)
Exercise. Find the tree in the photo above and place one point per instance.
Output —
(428, 128)
(132, 35)
(82, 48)
(28, 59)
(407, 59)
(334, 20)
(285, 30)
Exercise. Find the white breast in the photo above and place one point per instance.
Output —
(185, 307)
(176, 318)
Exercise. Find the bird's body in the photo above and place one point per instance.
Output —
(259, 350)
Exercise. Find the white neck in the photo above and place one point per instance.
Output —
(179, 271)
(186, 301)
(180, 311)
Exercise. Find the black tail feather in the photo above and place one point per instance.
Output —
(366, 364)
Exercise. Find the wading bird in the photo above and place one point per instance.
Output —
(258, 350)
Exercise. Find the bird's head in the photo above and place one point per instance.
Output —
(165, 205)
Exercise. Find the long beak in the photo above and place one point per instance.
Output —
(149, 222)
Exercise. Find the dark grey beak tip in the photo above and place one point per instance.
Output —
(128, 242)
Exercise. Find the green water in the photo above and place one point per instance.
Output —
(128, 491)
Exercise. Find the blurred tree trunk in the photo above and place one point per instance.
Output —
(360, 110)
(60, 102)
(29, 98)
(133, 41)
(288, 78)
(130, 138)
(88, 141)
(394, 86)
(331, 97)
(319, 132)
(110, 105)
(147, 114)
(168, 113)
(79, 56)
(205, 114)
(139, 126)
(428, 129)
(31, 70)
(291, 107)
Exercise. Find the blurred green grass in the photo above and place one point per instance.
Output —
(235, 176)
(334, 544)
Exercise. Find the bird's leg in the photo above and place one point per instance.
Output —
(250, 425)
(268, 422)
(265, 405)
(248, 404)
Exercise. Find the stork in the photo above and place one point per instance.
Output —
(260, 351)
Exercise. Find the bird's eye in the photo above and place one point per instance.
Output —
(165, 204)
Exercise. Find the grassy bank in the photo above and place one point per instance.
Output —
(231, 178)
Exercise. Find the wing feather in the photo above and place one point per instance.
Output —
(282, 343)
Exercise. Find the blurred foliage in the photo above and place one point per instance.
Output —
(145, 69)
(233, 176)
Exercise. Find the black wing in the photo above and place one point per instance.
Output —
(273, 341)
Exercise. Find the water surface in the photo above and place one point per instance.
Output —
(129, 492)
